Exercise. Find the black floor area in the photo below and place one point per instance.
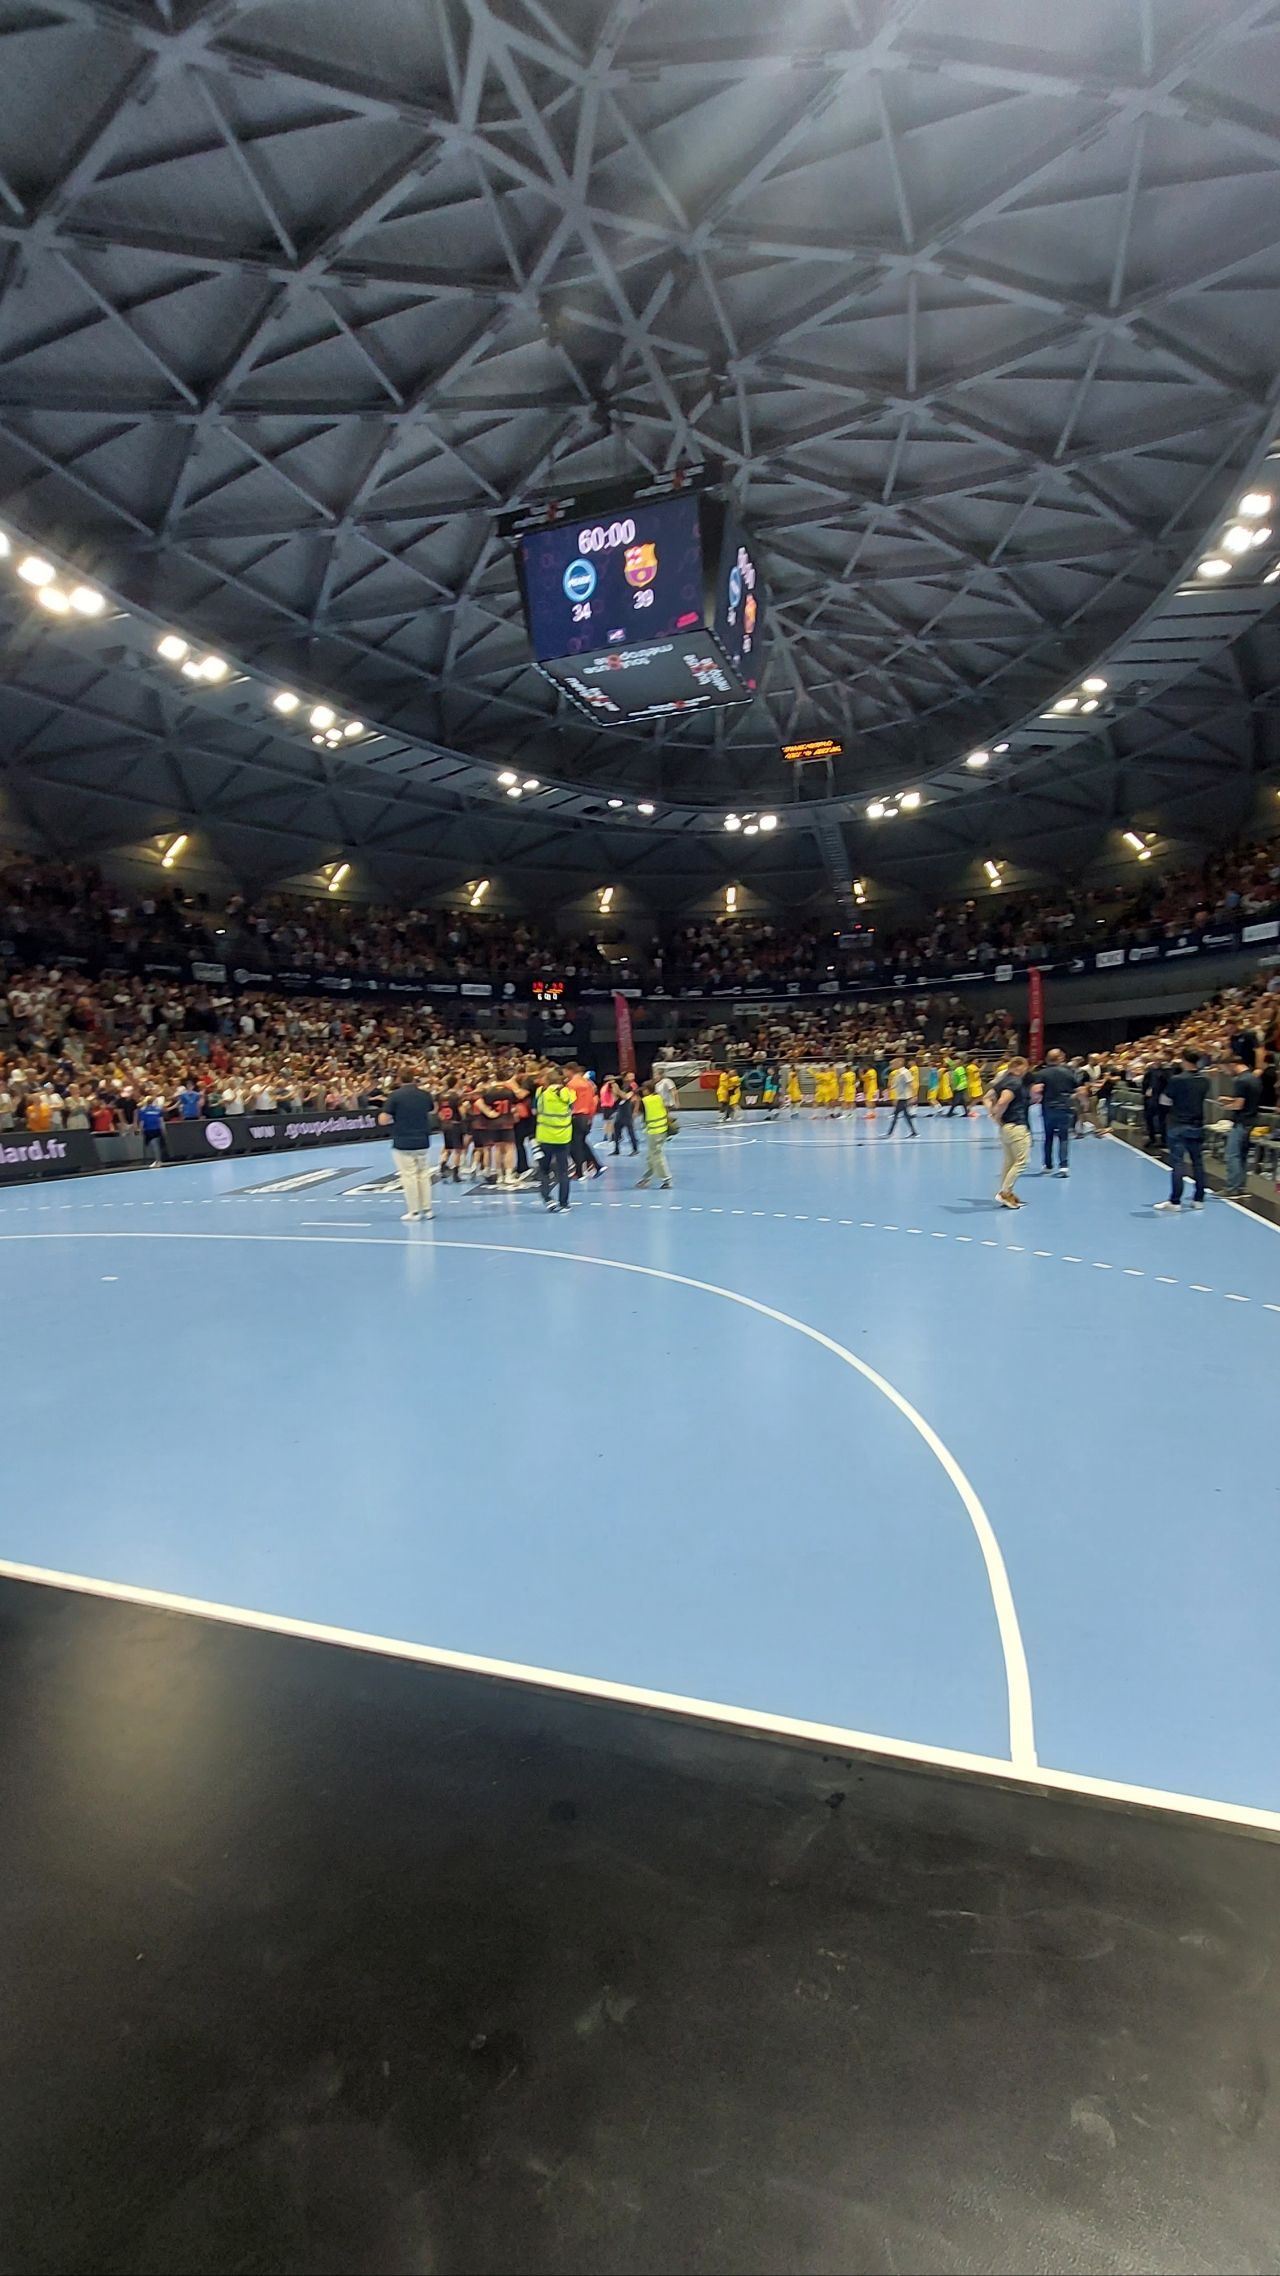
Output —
(318, 1962)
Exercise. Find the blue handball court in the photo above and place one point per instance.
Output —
(820, 1443)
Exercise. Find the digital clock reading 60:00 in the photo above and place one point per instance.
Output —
(605, 535)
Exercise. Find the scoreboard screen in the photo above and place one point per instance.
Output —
(642, 607)
(634, 575)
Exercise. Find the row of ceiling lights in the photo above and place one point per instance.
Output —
(1242, 537)
(751, 824)
(42, 578)
(1084, 699)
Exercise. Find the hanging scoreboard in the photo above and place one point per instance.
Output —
(641, 605)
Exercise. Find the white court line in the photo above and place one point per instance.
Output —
(1022, 1750)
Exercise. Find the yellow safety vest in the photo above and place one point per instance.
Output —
(555, 1117)
(655, 1115)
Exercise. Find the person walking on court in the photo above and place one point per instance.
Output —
(408, 1113)
(586, 1100)
(1184, 1095)
(657, 1124)
(1056, 1084)
(1010, 1103)
(1242, 1106)
(553, 1134)
(624, 1121)
(958, 1079)
(900, 1093)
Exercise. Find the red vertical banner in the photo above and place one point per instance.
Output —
(1035, 1017)
(626, 1046)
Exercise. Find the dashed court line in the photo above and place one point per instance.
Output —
(698, 1209)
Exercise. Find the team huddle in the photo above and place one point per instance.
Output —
(487, 1130)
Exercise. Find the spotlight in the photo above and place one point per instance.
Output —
(1254, 504)
(768, 821)
(85, 601)
(173, 851)
(733, 821)
(353, 728)
(1067, 703)
(213, 668)
(53, 598)
(191, 670)
(909, 801)
(1260, 536)
(1094, 685)
(478, 891)
(532, 783)
(1237, 539)
(515, 791)
(506, 779)
(1131, 838)
(999, 749)
(751, 829)
(615, 805)
(5, 547)
(876, 810)
(286, 701)
(731, 897)
(322, 716)
(978, 759)
(34, 571)
(341, 873)
(1214, 565)
(645, 808)
(171, 648)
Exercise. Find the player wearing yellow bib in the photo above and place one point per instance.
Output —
(848, 1087)
(794, 1092)
(870, 1088)
(975, 1086)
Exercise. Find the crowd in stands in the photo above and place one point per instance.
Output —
(852, 1034)
(51, 910)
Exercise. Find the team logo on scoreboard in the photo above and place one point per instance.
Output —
(579, 580)
(640, 564)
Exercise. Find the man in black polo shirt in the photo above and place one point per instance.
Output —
(409, 1110)
(1154, 1112)
(1184, 1095)
(1010, 1097)
(1242, 1105)
(1057, 1085)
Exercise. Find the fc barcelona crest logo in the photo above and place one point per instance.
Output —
(640, 564)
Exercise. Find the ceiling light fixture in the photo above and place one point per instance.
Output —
(1237, 539)
(322, 716)
(515, 791)
(1067, 703)
(978, 759)
(1260, 536)
(532, 783)
(876, 810)
(1094, 685)
(34, 571)
(733, 821)
(1214, 565)
(999, 749)
(751, 829)
(85, 601)
(768, 821)
(353, 728)
(731, 898)
(340, 875)
(53, 598)
(1091, 705)
(173, 851)
(506, 778)
(615, 805)
(286, 701)
(171, 648)
(214, 668)
(1254, 504)
(909, 801)
(1131, 838)
(191, 670)
(606, 899)
(478, 891)
(645, 808)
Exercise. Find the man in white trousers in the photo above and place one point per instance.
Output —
(408, 1111)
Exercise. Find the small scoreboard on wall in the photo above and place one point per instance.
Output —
(641, 604)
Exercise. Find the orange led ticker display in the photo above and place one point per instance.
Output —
(798, 753)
